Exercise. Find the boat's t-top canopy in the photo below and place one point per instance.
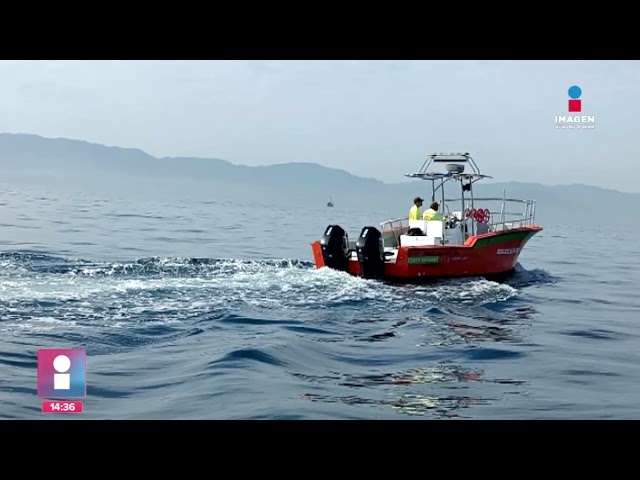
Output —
(454, 169)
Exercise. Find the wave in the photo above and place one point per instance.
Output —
(241, 326)
(48, 292)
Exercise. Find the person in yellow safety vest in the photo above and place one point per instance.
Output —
(432, 213)
(414, 213)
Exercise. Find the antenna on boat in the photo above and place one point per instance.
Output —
(454, 169)
(449, 158)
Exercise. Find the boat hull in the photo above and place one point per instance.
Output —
(490, 254)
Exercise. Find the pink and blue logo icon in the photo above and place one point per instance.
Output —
(575, 104)
(62, 373)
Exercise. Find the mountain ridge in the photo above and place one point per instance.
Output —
(41, 152)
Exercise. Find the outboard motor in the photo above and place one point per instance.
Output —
(370, 252)
(335, 248)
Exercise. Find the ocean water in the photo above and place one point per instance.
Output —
(211, 309)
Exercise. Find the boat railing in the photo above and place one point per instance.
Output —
(504, 214)
(393, 229)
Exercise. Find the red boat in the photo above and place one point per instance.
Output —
(482, 238)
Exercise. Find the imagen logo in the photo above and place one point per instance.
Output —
(575, 122)
(62, 373)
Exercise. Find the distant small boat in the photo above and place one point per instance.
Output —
(330, 203)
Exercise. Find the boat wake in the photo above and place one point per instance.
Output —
(284, 316)
(73, 293)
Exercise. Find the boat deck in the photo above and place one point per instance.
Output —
(498, 216)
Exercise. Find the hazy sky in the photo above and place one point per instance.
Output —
(372, 118)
